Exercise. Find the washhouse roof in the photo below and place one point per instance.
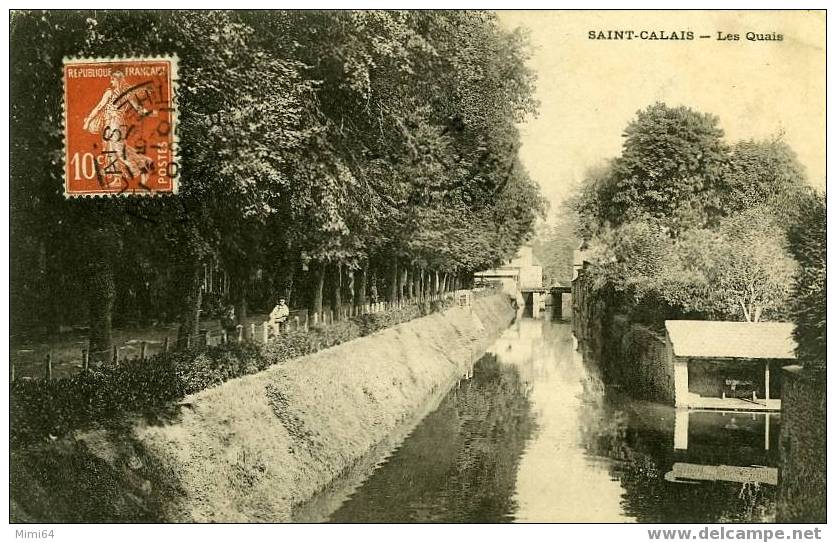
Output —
(724, 339)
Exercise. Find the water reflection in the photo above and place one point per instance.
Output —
(557, 479)
(677, 465)
(539, 434)
(460, 463)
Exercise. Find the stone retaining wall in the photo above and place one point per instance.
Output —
(802, 492)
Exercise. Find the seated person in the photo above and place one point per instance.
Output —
(228, 321)
(278, 317)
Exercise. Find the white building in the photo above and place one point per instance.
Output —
(519, 273)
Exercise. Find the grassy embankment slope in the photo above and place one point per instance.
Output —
(252, 448)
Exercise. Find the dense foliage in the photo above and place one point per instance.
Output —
(683, 225)
(321, 152)
(809, 308)
(554, 247)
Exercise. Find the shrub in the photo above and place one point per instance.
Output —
(54, 407)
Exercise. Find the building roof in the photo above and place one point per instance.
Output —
(723, 339)
(499, 272)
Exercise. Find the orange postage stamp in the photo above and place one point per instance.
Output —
(119, 126)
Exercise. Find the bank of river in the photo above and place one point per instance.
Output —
(253, 448)
(537, 434)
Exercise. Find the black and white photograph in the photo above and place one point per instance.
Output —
(417, 266)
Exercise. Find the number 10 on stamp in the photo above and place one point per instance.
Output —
(120, 117)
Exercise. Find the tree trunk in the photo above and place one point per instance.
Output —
(351, 287)
(746, 314)
(409, 281)
(101, 296)
(374, 286)
(241, 311)
(360, 298)
(238, 295)
(401, 283)
(393, 281)
(52, 275)
(319, 283)
(287, 276)
(336, 299)
(190, 317)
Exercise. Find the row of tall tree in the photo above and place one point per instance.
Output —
(684, 224)
(315, 147)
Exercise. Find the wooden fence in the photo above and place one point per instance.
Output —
(142, 349)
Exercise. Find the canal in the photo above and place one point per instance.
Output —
(537, 434)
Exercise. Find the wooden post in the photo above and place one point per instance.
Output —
(224, 337)
(240, 329)
(207, 338)
(766, 388)
(252, 331)
(85, 359)
(49, 365)
(115, 355)
(142, 350)
(165, 344)
(296, 320)
(188, 342)
(766, 428)
(315, 319)
(265, 332)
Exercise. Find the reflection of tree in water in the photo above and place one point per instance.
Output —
(617, 428)
(460, 463)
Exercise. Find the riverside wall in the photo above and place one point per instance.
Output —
(802, 492)
(629, 353)
(254, 448)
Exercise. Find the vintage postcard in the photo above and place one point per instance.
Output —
(418, 266)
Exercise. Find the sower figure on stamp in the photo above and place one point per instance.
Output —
(278, 317)
(110, 119)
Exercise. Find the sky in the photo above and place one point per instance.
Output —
(590, 89)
